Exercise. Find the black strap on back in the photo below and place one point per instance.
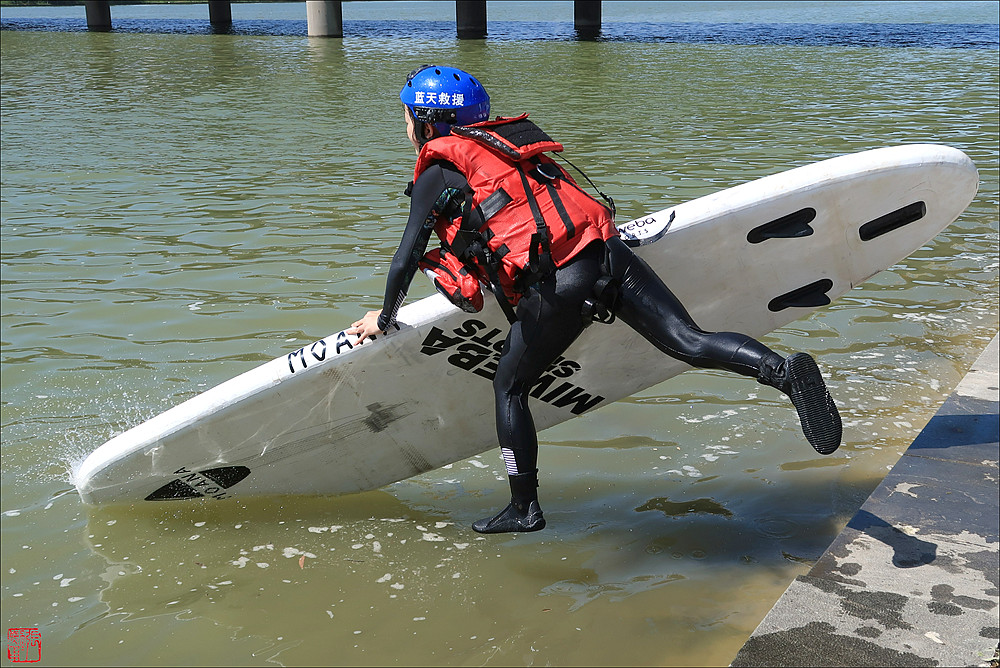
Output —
(540, 262)
(547, 173)
(469, 243)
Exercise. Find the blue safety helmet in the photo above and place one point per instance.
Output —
(445, 96)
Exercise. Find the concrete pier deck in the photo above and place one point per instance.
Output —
(913, 580)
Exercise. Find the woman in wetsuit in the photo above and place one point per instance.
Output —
(548, 251)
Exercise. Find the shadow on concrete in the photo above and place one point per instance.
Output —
(945, 432)
(908, 551)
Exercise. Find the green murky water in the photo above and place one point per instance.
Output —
(179, 208)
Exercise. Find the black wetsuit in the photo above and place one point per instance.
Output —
(549, 316)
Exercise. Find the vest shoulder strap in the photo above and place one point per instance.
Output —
(516, 139)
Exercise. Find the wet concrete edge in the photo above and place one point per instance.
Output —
(913, 579)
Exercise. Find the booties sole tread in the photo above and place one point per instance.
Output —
(818, 413)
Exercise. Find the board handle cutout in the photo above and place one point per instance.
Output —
(808, 296)
(910, 213)
(787, 227)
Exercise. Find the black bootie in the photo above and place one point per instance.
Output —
(799, 378)
(522, 514)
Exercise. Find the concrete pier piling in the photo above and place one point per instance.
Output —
(98, 15)
(587, 18)
(220, 14)
(470, 15)
(324, 18)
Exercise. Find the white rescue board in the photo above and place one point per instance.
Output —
(334, 417)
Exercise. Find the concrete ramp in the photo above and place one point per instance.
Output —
(913, 578)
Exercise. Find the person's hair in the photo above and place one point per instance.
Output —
(418, 127)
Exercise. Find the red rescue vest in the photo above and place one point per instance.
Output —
(453, 279)
(531, 214)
